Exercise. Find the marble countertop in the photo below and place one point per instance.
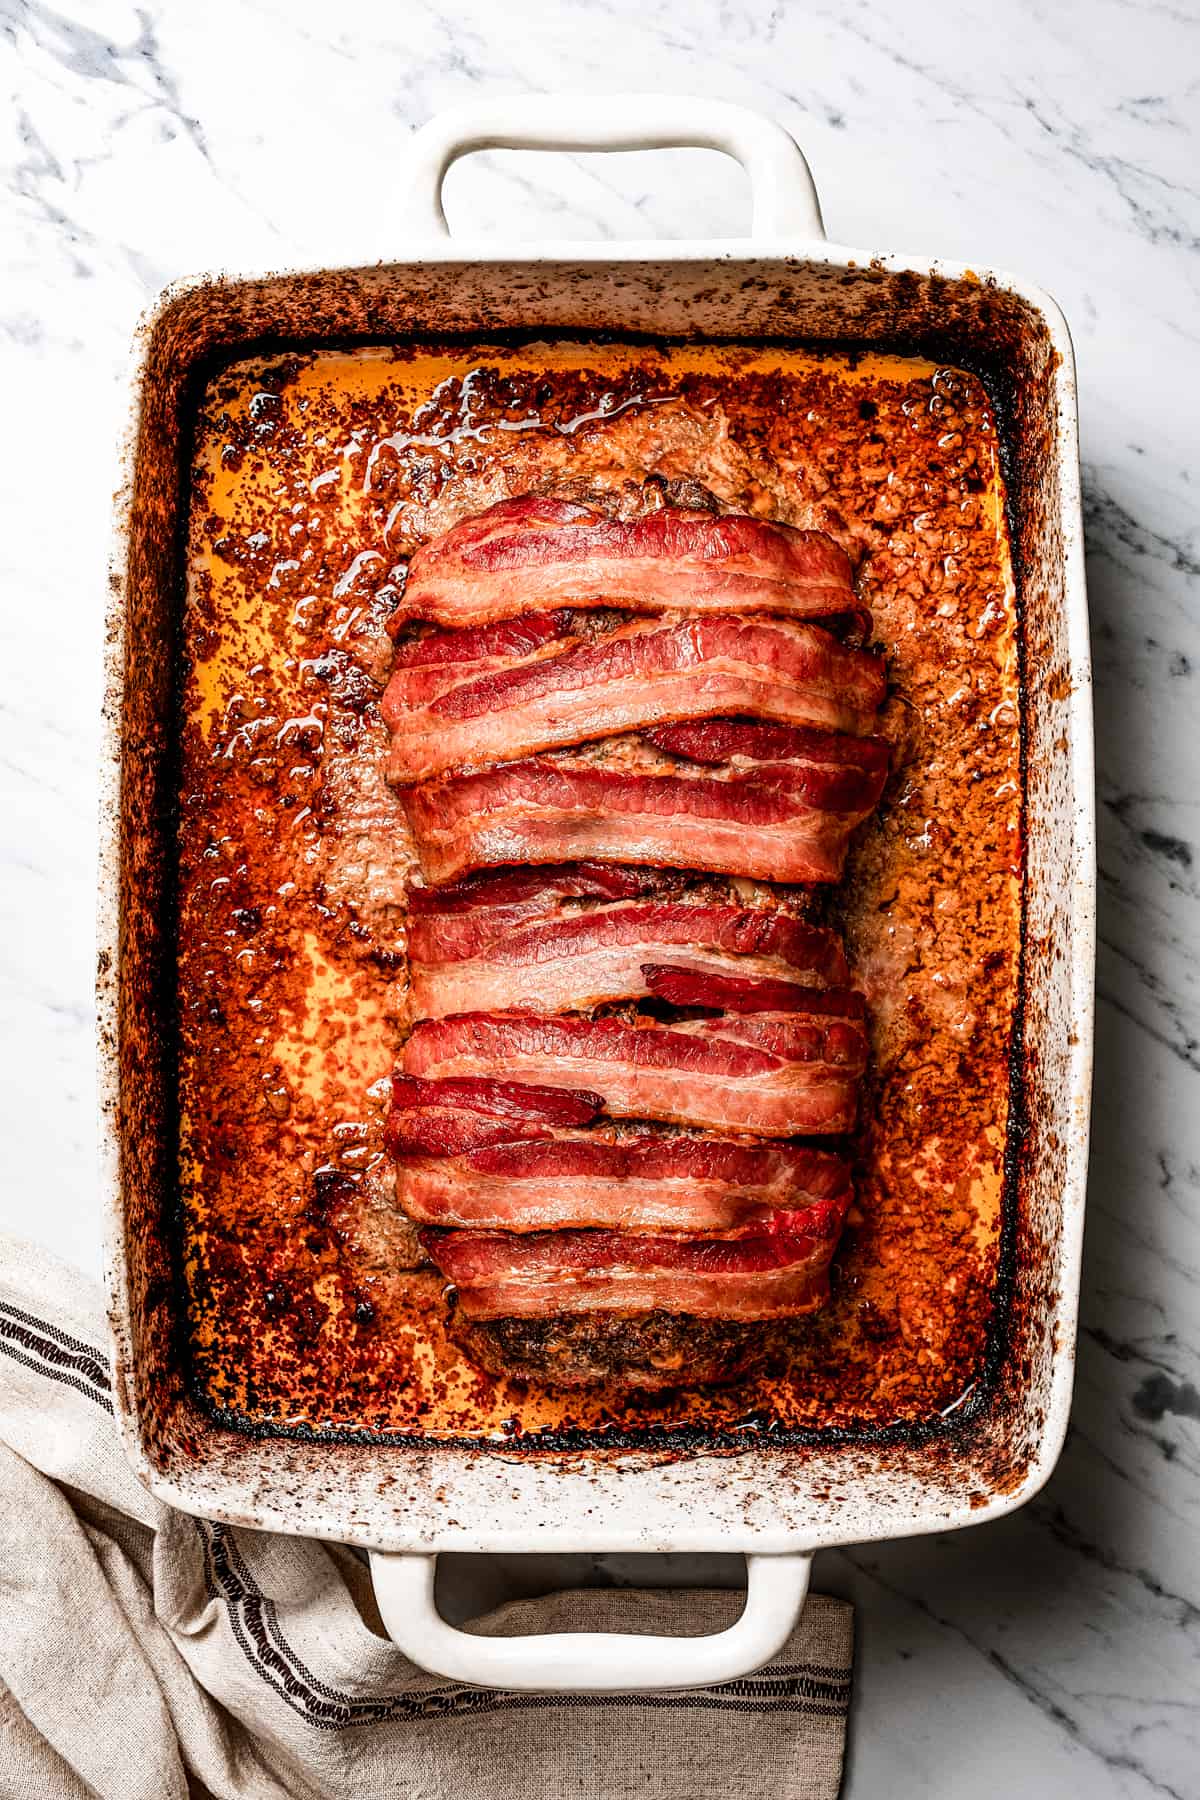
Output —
(1055, 1651)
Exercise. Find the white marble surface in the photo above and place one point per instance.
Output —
(1055, 1652)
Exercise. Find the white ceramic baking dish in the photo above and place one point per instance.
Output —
(776, 1502)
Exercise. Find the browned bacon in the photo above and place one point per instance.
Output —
(784, 820)
(433, 1118)
(783, 1272)
(717, 741)
(540, 553)
(517, 893)
(642, 674)
(556, 949)
(688, 986)
(628, 1179)
(781, 1075)
(426, 666)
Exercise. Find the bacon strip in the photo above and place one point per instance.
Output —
(534, 553)
(717, 741)
(424, 667)
(638, 1181)
(684, 985)
(579, 953)
(778, 1075)
(642, 674)
(783, 1272)
(529, 889)
(780, 821)
(432, 1118)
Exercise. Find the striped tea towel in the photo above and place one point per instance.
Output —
(147, 1655)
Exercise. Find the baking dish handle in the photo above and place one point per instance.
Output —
(588, 1662)
(785, 203)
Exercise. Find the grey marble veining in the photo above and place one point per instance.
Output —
(1057, 1651)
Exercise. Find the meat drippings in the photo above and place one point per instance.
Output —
(314, 477)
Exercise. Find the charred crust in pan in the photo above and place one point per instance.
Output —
(659, 1337)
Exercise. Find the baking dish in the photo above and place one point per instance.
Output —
(776, 1504)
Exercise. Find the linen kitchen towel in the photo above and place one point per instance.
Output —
(147, 1655)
